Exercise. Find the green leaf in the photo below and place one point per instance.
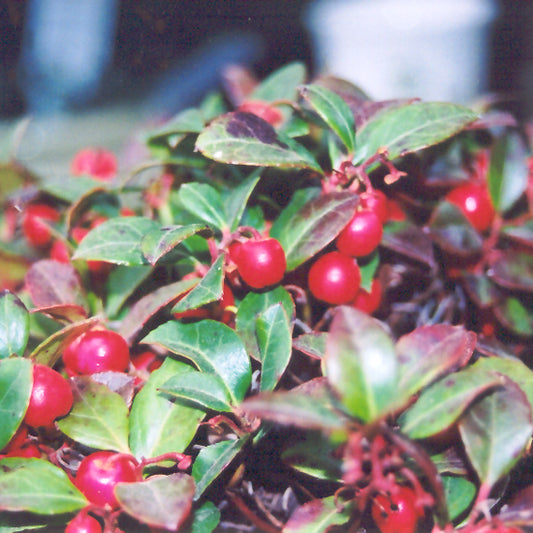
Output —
(71, 189)
(186, 121)
(15, 388)
(368, 271)
(253, 304)
(157, 424)
(37, 486)
(410, 128)
(98, 418)
(516, 316)
(317, 516)
(122, 282)
(514, 271)
(236, 199)
(212, 460)
(204, 202)
(333, 110)
(312, 344)
(117, 240)
(508, 172)
(205, 519)
(361, 365)
(14, 325)
(198, 388)
(495, 432)
(459, 493)
(209, 289)
(274, 335)
(212, 347)
(441, 404)
(170, 498)
(241, 138)
(281, 84)
(159, 242)
(314, 226)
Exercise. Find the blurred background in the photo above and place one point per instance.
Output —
(150, 58)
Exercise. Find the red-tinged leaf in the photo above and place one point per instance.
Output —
(151, 304)
(63, 312)
(52, 283)
(312, 344)
(430, 352)
(170, 500)
(514, 271)
(318, 516)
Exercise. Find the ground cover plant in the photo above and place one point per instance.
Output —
(305, 311)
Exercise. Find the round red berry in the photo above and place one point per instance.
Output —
(397, 513)
(83, 523)
(50, 398)
(35, 222)
(361, 235)
(99, 473)
(98, 350)
(474, 201)
(334, 278)
(260, 263)
(376, 201)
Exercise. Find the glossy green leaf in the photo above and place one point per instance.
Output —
(253, 304)
(15, 388)
(121, 284)
(317, 516)
(314, 226)
(459, 493)
(205, 519)
(281, 84)
(409, 128)
(312, 344)
(333, 110)
(159, 242)
(429, 352)
(198, 388)
(361, 365)
(235, 200)
(204, 202)
(212, 347)
(157, 424)
(241, 138)
(117, 240)
(170, 497)
(441, 404)
(14, 325)
(508, 171)
(37, 486)
(212, 460)
(186, 121)
(495, 432)
(209, 289)
(274, 334)
(98, 418)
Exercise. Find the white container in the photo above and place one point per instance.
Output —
(435, 50)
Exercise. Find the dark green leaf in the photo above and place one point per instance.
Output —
(368, 271)
(333, 110)
(495, 431)
(121, 283)
(205, 519)
(281, 84)
(314, 226)
(159, 242)
(209, 289)
(15, 388)
(212, 347)
(14, 325)
(99, 417)
(170, 498)
(317, 516)
(236, 199)
(37, 486)
(515, 316)
(213, 460)
(460, 494)
(514, 270)
(410, 128)
(117, 240)
(361, 365)
(274, 334)
(253, 304)
(186, 121)
(241, 138)
(312, 344)
(204, 202)
(508, 172)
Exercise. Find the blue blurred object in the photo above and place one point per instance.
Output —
(66, 49)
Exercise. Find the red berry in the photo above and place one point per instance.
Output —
(474, 201)
(361, 235)
(99, 473)
(35, 223)
(376, 201)
(96, 162)
(83, 523)
(262, 109)
(98, 350)
(51, 397)
(17, 440)
(59, 252)
(368, 302)
(28, 450)
(334, 278)
(260, 263)
(397, 513)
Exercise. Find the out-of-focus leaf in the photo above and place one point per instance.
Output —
(121, 283)
(460, 494)
(514, 270)
(514, 315)
(281, 84)
(317, 516)
(312, 344)
(14, 325)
